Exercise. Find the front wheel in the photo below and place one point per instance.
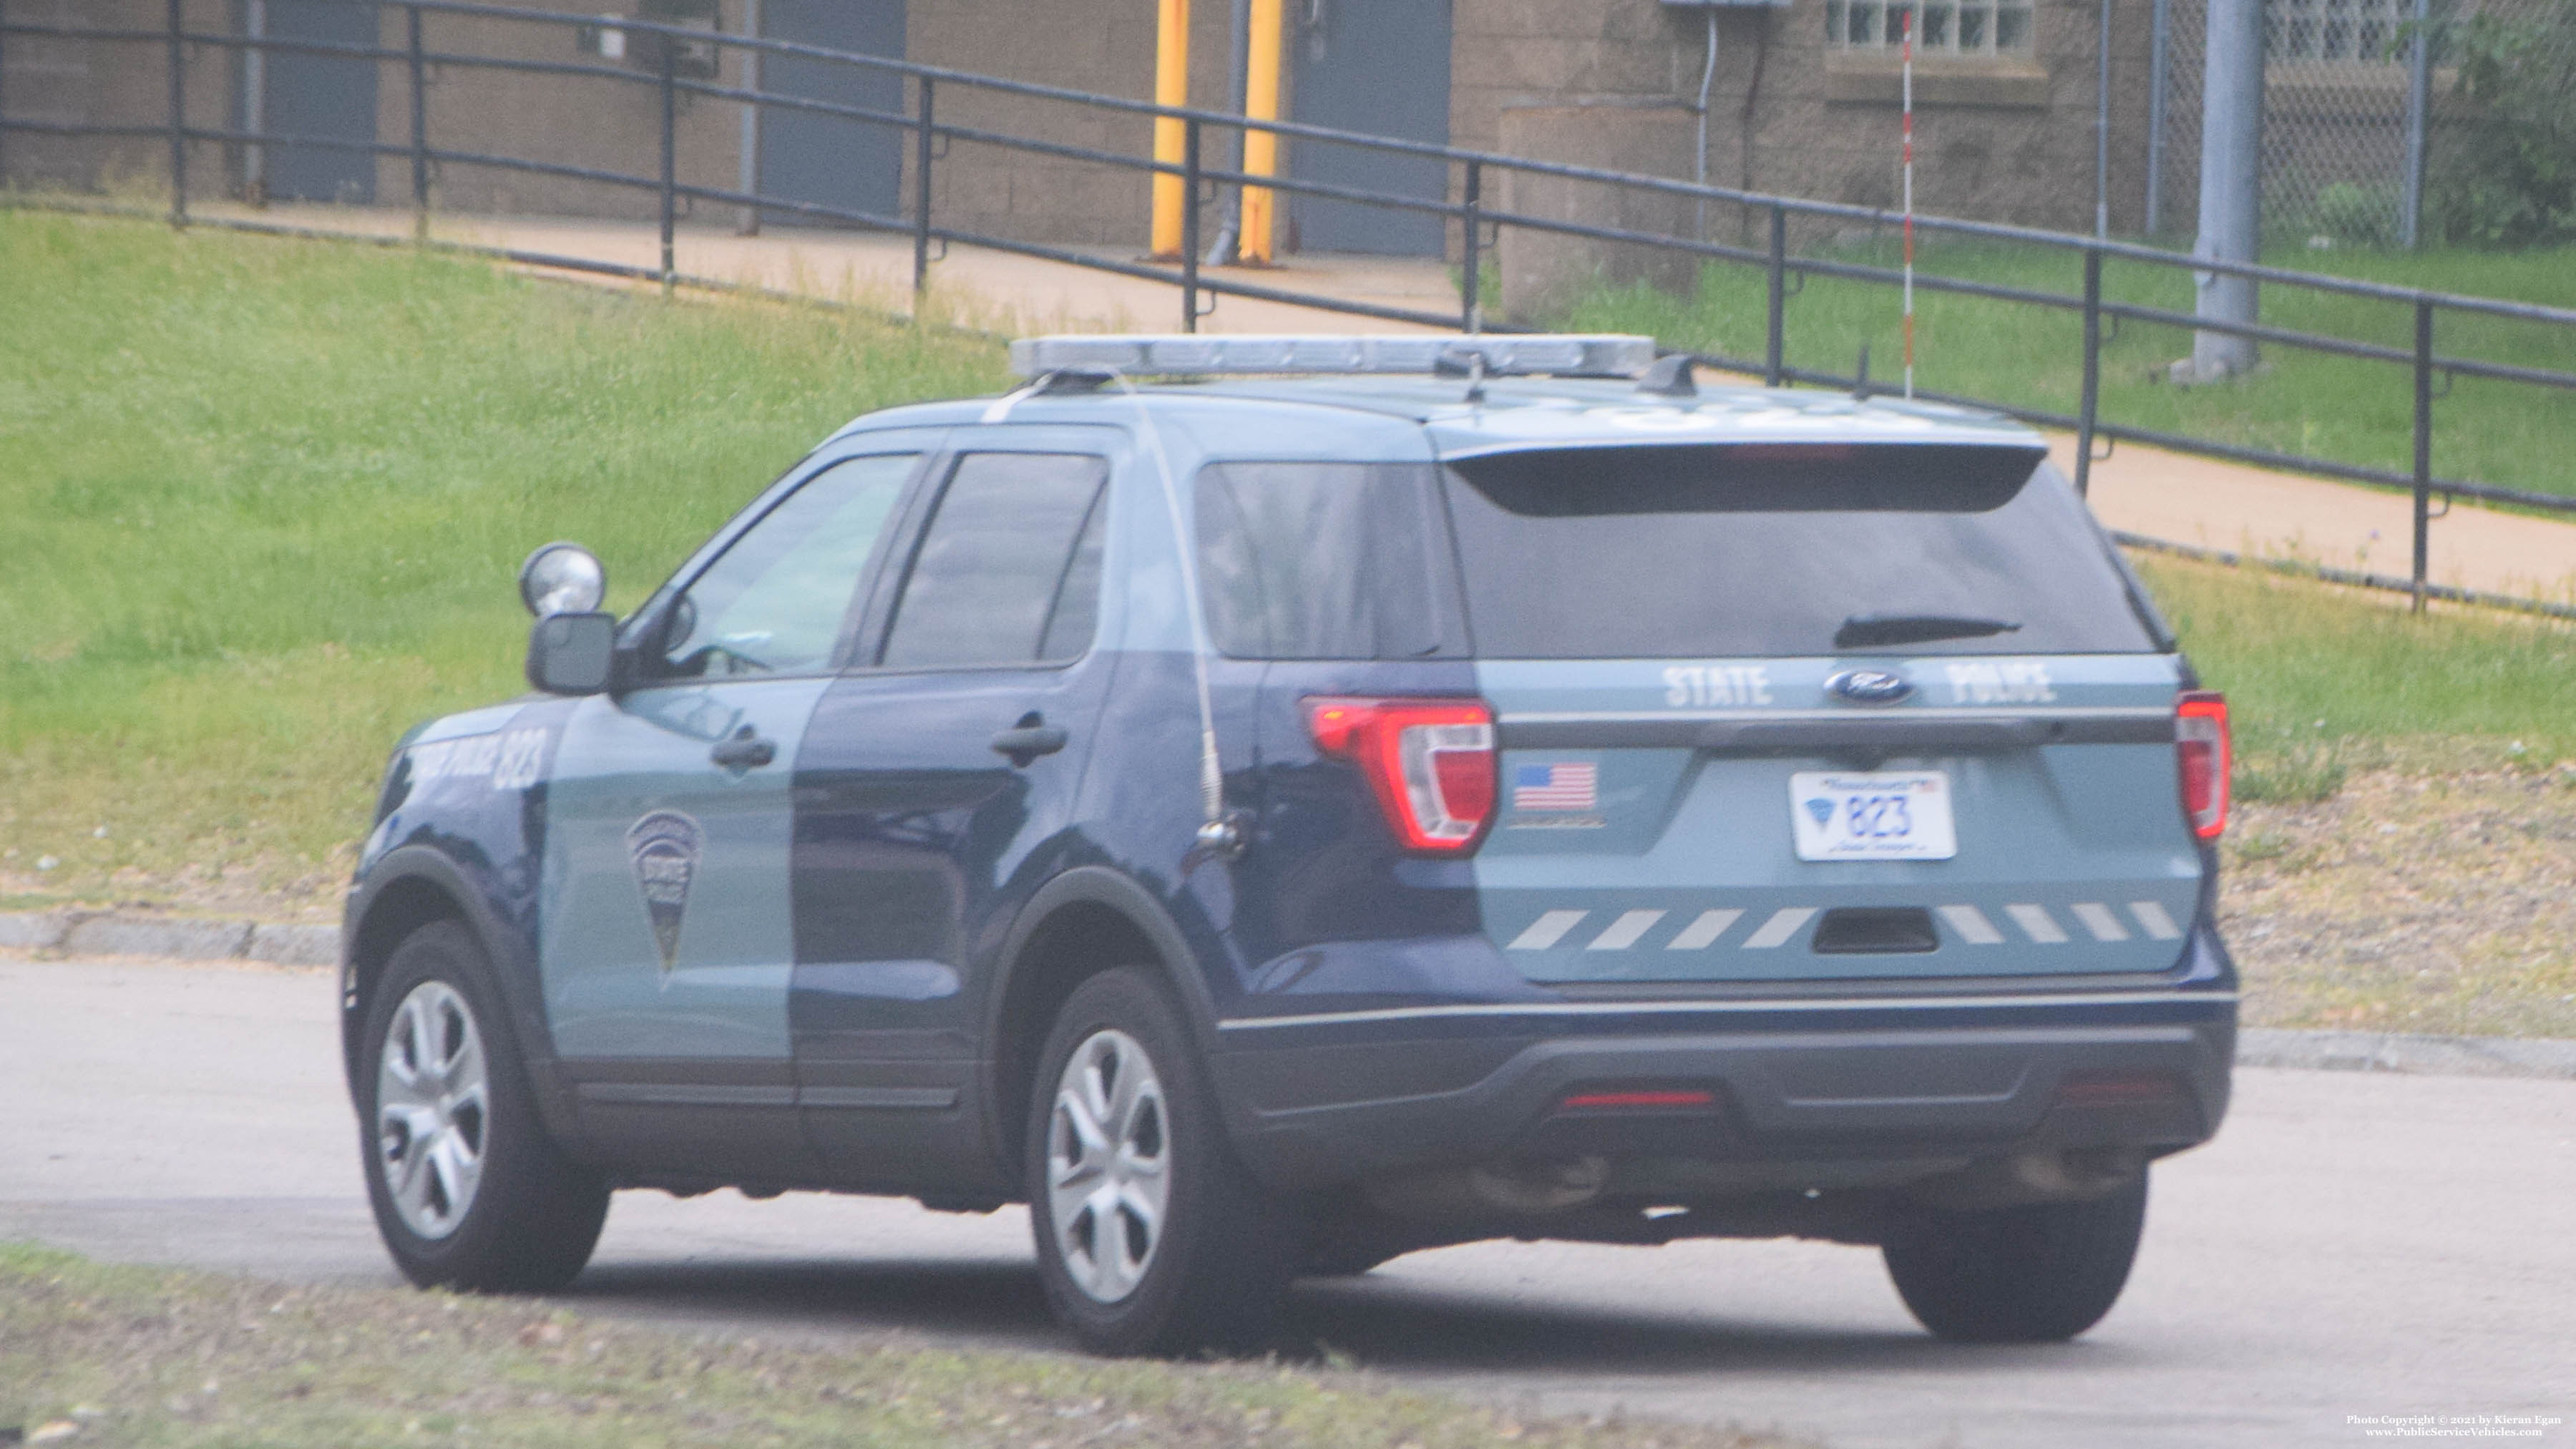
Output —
(1152, 1238)
(468, 1189)
(2041, 1273)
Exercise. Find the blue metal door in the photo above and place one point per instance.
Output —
(1379, 67)
(826, 160)
(320, 96)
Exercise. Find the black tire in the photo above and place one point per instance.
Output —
(529, 1220)
(1220, 1259)
(2036, 1274)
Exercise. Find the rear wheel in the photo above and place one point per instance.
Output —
(1152, 1238)
(469, 1191)
(2041, 1273)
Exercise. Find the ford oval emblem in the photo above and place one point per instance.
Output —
(1870, 686)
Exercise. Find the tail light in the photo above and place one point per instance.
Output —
(2201, 744)
(1430, 762)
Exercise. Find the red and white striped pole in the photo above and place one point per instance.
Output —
(1909, 201)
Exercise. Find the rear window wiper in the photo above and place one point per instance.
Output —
(1862, 631)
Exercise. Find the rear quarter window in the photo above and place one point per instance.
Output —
(1751, 551)
(1325, 561)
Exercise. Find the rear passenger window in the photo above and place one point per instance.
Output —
(1008, 571)
(1321, 560)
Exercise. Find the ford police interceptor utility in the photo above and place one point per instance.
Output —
(1272, 804)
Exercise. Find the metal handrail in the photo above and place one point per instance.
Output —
(1473, 215)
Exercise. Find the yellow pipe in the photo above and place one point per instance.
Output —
(1171, 88)
(1260, 148)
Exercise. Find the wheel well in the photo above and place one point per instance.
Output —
(398, 910)
(1076, 943)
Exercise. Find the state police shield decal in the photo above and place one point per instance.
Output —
(664, 847)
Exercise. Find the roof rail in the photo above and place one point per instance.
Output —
(1187, 354)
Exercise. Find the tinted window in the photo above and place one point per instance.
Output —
(1320, 560)
(776, 601)
(1009, 567)
(1747, 550)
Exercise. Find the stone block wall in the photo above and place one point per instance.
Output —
(2009, 141)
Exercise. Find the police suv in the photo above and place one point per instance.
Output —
(1272, 804)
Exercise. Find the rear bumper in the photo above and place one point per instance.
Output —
(1876, 1098)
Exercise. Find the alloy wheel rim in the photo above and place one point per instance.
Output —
(1108, 1165)
(433, 1109)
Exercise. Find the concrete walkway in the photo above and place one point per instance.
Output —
(2171, 496)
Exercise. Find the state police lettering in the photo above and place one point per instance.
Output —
(1998, 683)
(1725, 685)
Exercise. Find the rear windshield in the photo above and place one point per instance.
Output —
(1748, 550)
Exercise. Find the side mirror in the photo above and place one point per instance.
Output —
(562, 578)
(572, 653)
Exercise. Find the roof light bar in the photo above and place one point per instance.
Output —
(1540, 354)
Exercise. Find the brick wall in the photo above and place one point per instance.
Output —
(2015, 144)
(2011, 143)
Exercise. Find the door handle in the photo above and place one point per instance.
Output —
(745, 751)
(1028, 739)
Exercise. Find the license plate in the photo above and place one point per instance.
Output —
(1873, 815)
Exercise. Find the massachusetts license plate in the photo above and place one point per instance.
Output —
(1872, 815)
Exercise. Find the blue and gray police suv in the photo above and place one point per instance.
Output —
(1272, 804)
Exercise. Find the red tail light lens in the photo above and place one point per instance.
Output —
(1430, 762)
(2201, 743)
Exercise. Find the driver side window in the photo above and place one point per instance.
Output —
(777, 600)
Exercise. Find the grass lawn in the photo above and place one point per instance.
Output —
(2344, 409)
(265, 501)
(150, 1356)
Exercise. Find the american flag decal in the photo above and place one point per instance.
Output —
(1566, 785)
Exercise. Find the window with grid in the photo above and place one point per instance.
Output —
(1942, 27)
(2334, 30)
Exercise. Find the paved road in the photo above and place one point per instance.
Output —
(2350, 1245)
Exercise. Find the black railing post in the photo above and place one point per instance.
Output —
(1471, 301)
(1776, 336)
(670, 157)
(921, 148)
(2423, 445)
(419, 126)
(1190, 226)
(178, 117)
(2091, 407)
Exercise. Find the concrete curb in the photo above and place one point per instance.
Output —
(110, 933)
(2367, 1051)
(107, 933)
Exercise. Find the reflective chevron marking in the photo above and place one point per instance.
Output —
(2158, 925)
(1623, 932)
(2098, 919)
(2038, 924)
(1547, 930)
(1782, 925)
(1701, 934)
(1972, 925)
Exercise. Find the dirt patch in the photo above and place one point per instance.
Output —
(2410, 901)
(91, 1354)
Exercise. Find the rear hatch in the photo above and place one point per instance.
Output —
(1810, 711)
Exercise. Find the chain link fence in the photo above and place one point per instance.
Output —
(2355, 114)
